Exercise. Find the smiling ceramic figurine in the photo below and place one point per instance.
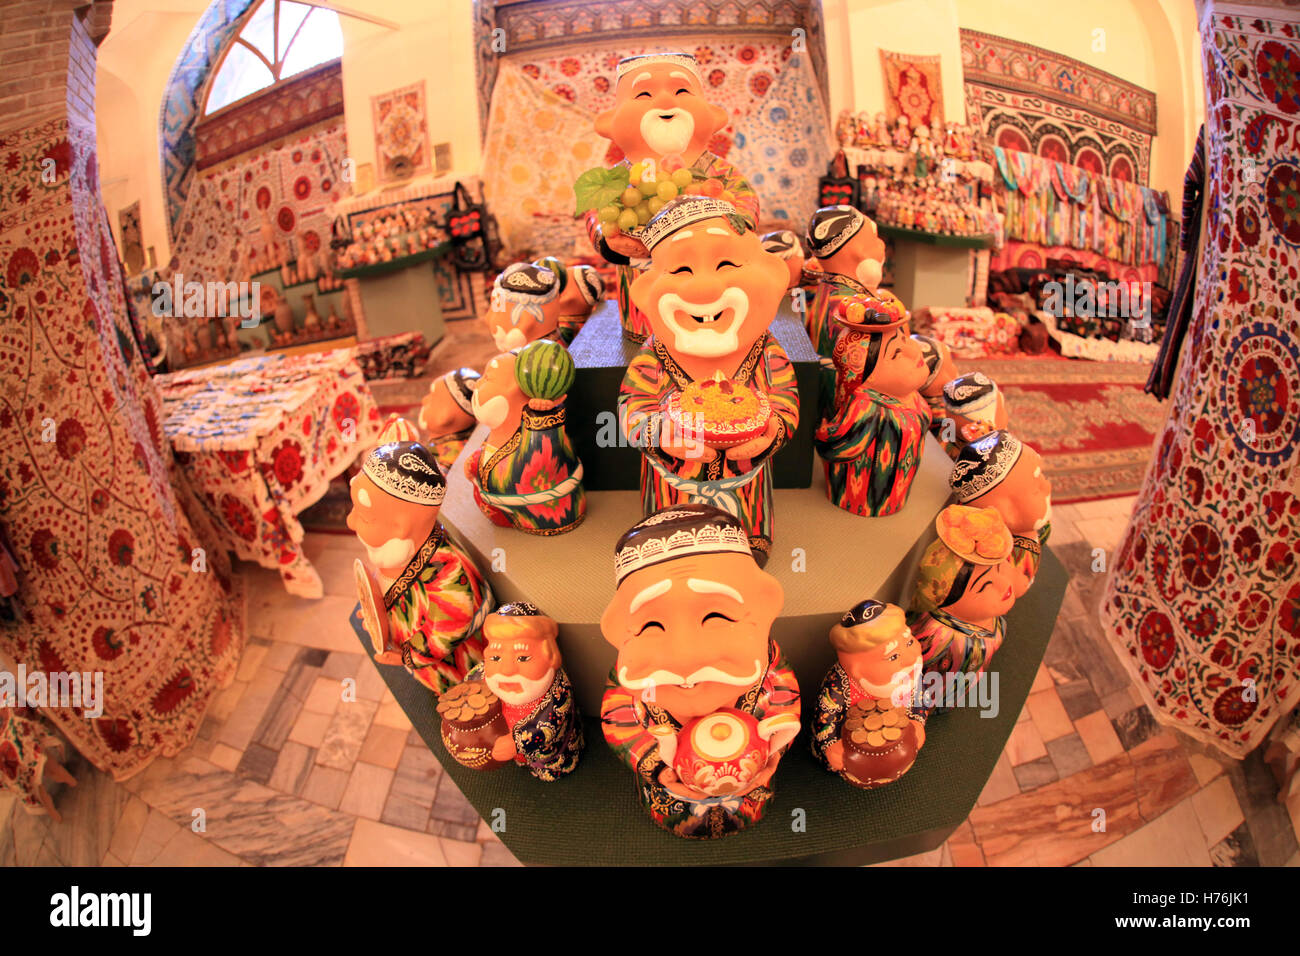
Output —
(700, 703)
(785, 246)
(938, 359)
(660, 114)
(447, 414)
(876, 660)
(583, 291)
(525, 305)
(424, 603)
(999, 471)
(965, 586)
(526, 475)
(710, 293)
(523, 692)
(872, 444)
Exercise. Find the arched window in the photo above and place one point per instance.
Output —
(278, 40)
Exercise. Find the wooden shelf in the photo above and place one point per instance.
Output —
(935, 238)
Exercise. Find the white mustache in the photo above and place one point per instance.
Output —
(507, 339)
(1047, 516)
(666, 136)
(665, 678)
(491, 412)
(390, 554)
(704, 340)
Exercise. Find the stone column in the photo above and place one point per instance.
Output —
(110, 578)
(1203, 603)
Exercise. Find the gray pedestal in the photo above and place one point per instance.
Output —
(931, 276)
(826, 559)
(407, 300)
(602, 354)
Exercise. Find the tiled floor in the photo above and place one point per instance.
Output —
(307, 759)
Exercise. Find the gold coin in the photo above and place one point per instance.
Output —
(876, 739)
(892, 733)
(891, 718)
(874, 722)
(477, 700)
(858, 736)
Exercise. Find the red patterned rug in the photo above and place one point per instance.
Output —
(1091, 421)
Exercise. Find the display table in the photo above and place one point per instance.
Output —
(260, 439)
(592, 817)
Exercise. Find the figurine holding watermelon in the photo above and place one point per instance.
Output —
(526, 475)
(662, 124)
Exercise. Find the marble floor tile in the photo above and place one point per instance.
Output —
(339, 665)
(496, 854)
(251, 662)
(325, 785)
(325, 696)
(1098, 736)
(402, 811)
(1172, 839)
(1036, 773)
(1162, 775)
(130, 825)
(1236, 849)
(297, 621)
(90, 812)
(460, 853)
(1042, 681)
(962, 849)
(187, 848)
(257, 763)
(292, 765)
(1205, 768)
(391, 715)
(367, 791)
(1069, 755)
(929, 858)
(280, 655)
(384, 746)
(226, 700)
(225, 757)
(1025, 744)
(460, 832)
(451, 806)
(1119, 702)
(370, 682)
(1049, 716)
(309, 729)
(418, 775)
(1217, 808)
(238, 730)
(347, 732)
(250, 820)
(157, 832)
(1001, 784)
(1078, 699)
(278, 720)
(1134, 727)
(377, 844)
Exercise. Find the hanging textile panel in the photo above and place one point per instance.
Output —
(1030, 99)
(401, 133)
(913, 88)
(1203, 603)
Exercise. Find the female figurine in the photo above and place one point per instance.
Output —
(872, 444)
(965, 585)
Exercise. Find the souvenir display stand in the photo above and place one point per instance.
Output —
(601, 355)
(932, 269)
(402, 295)
(593, 818)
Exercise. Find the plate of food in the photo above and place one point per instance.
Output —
(719, 412)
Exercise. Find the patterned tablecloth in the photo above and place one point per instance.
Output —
(259, 440)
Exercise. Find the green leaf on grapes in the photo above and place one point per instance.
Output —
(599, 187)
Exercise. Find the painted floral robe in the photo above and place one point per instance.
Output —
(872, 450)
(1027, 553)
(436, 609)
(24, 742)
(837, 694)
(448, 447)
(742, 488)
(950, 646)
(533, 482)
(549, 738)
(831, 289)
(635, 325)
(626, 720)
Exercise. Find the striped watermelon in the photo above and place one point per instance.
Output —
(544, 369)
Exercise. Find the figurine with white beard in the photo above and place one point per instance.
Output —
(424, 603)
(525, 305)
(522, 667)
(526, 474)
(710, 293)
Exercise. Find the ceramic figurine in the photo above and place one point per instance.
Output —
(877, 670)
(660, 114)
(880, 137)
(942, 369)
(517, 706)
(525, 305)
(424, 602)
(311, 322)
(872, 444)
(902, 134)
(526, 474)
(965, 585)
(447, 414)
(710, 293)
(845, 128)
(284, 318)
(785, 246)
(700, 702)
(584, 291)
(974, 404)
(999, 471)
(852, 258)
(923, 153)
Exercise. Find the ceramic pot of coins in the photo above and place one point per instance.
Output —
(880, 743)
(472, 721)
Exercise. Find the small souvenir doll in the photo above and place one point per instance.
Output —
(660, 114)
(922, 150)
(27, 760)
(518, 704)
(785, 246)
(902, 134)
(711, 396)
(447, 414)
(965, 585)
(852, 259)
(878, 671)
(880, 137)
(872, 443)
(998, 471)
(524, 305)
(938, 359)
(526, 475)
(974, 404)
(583, 291)
(845, 129)
(700, 702)
(424, 603)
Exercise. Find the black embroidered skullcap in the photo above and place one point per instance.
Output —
(590, 283)
(831, 227)
(675, 532)
(407, 470)
(527, 283)
(519, 609)
(983, 464)
(683, 211)
(556, 266)
(783, 243)
(676, 58)
(973, 395)
(459, 385)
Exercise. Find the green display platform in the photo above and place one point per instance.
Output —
(601, 355)
(592, 817)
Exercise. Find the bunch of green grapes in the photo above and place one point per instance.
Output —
(644, 196)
